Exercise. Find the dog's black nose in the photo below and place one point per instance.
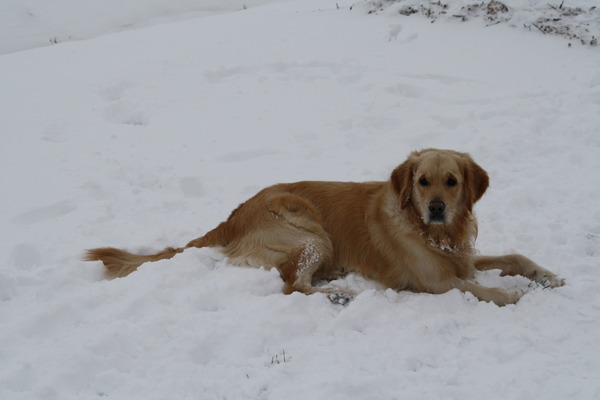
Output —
(437, 208)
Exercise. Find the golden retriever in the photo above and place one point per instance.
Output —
(415, 232)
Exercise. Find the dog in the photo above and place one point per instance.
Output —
(414, 232)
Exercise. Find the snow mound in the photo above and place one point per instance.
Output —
(579, 23)
(26, 24)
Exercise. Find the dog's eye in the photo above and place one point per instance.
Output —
(451, 182)
(423, 182)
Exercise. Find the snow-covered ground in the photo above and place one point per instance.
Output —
(150, 137)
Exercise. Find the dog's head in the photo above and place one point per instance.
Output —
(439, 184)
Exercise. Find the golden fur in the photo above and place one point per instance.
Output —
(415, 231)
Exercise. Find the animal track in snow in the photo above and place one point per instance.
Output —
(46, 213)
(55, 134)
(125, 114)
(395, 31)
(245, 155)
(191, 186)
(407, 90)
(122, 108)
(25, 256)
(448, 122)
(287, 71)
(439, 78)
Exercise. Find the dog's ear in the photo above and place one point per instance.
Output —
(476, 182)
(402, 181)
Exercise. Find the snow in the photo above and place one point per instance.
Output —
(578, 21)
(149, 137)
(26, 24)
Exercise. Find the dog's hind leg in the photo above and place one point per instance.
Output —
(297, 272)
(290, 237)
(302, 263)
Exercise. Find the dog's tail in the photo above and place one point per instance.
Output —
(120, 263)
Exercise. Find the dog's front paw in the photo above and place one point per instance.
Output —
(551, 281)
(340, 298)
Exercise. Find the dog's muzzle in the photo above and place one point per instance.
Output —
(437, 212)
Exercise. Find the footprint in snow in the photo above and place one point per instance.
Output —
(246, 155)
(439, 78)
(24, 256)
(191, 186)
(121, 109)
(407, 90)
(55, 134)
(394, 32)
(126, 114)
(46, 213)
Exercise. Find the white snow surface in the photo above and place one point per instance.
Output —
(150, 137)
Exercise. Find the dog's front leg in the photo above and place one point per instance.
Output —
(516, 264)
(500, 297)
